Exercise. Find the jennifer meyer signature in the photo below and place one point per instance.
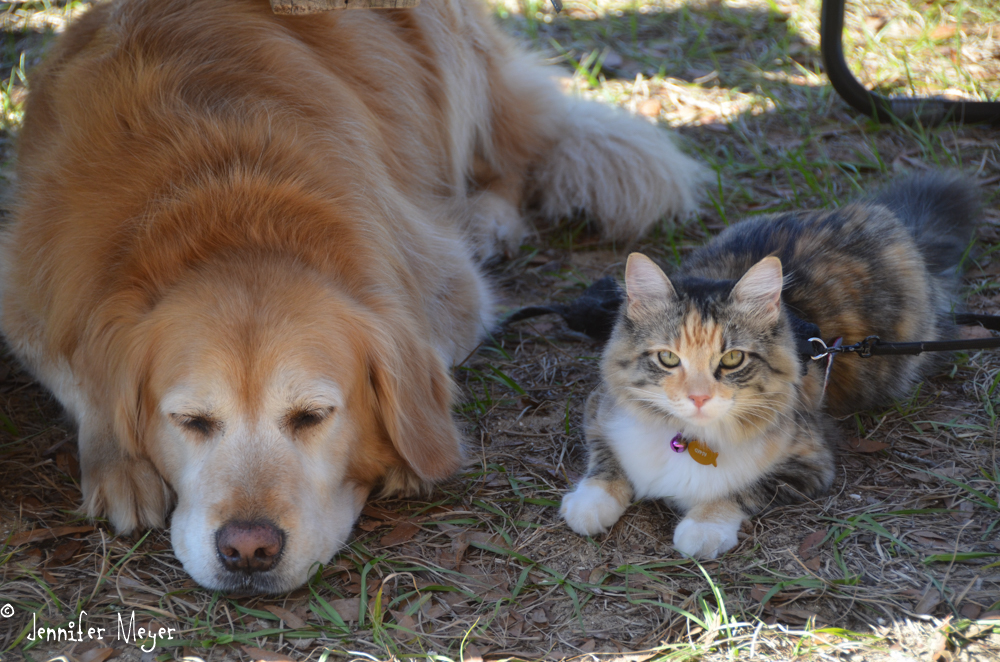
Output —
(126, 631)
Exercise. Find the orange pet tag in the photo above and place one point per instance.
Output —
(701, 453)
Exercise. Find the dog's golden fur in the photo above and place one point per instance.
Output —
(243, 254)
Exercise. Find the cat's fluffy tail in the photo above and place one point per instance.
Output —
(941, 210)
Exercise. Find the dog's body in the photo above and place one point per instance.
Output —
(243, 255)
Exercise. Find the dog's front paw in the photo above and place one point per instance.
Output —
(127, 491)
(590, 508)
(705, 540)
(494, 226)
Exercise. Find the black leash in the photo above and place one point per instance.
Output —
(594, 313)
(874, 346)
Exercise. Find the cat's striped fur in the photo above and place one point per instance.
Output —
(885, 266)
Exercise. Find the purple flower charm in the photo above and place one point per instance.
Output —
(677, 444)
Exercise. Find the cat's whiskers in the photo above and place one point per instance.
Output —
(753, 408)
(762, 423)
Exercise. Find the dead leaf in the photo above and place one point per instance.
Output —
(98, 654)
(489, 586)
(401, 533)
(859, 445)
(810, 544)
(588, 646)
(471, 654)
(814, 563)
(875, 22)
(433, 610)
(371, 587)
(290, 619)
(928, 602)
(267, 656)
(526, 401)
(964, 514)
(484, 538)
(970, 610)
(65, 551)
(975, 332)
(597, 575)
(368, 524)
(928, 536)
(758, 592)
(406, 622)
(348, 608)
(32, 505)
(46, 534)
(650, 107)
(378, 513)
(938, 647)
(439, 511)
(539, 617)
(921, 477)
(932, 540)
(943, 31)
(793, 616)
(68, 464)
(951, 472)
(459, 544)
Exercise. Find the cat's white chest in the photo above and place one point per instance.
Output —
(656, 470)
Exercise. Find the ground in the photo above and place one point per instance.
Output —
(900, 560)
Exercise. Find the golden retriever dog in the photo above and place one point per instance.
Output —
(245, 248)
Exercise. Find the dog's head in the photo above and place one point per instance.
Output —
(272, 403)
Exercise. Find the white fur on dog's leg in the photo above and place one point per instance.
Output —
(619, 169)
(706, 539)
(590, 508)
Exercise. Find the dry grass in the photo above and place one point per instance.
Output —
(899, 562)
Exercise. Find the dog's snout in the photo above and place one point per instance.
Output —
(249, 546)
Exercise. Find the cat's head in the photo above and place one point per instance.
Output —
(718, 356)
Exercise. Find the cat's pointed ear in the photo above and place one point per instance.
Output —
(760, 287)
(645, 283)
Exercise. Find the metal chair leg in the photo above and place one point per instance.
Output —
(926, 110)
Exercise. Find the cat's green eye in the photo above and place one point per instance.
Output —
(732, 359)
(669, 359)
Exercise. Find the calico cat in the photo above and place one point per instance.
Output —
(705, 399)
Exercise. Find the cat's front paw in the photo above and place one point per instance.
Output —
(705, 540)
(590, 508)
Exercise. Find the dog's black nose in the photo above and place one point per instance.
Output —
(249, 546)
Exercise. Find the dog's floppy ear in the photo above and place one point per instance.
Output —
(413, 392)
(130, 394)
(119, 480)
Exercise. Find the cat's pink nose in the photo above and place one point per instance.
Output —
(699, 400)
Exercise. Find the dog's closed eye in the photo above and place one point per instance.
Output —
(198, 423)
(303, 419)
